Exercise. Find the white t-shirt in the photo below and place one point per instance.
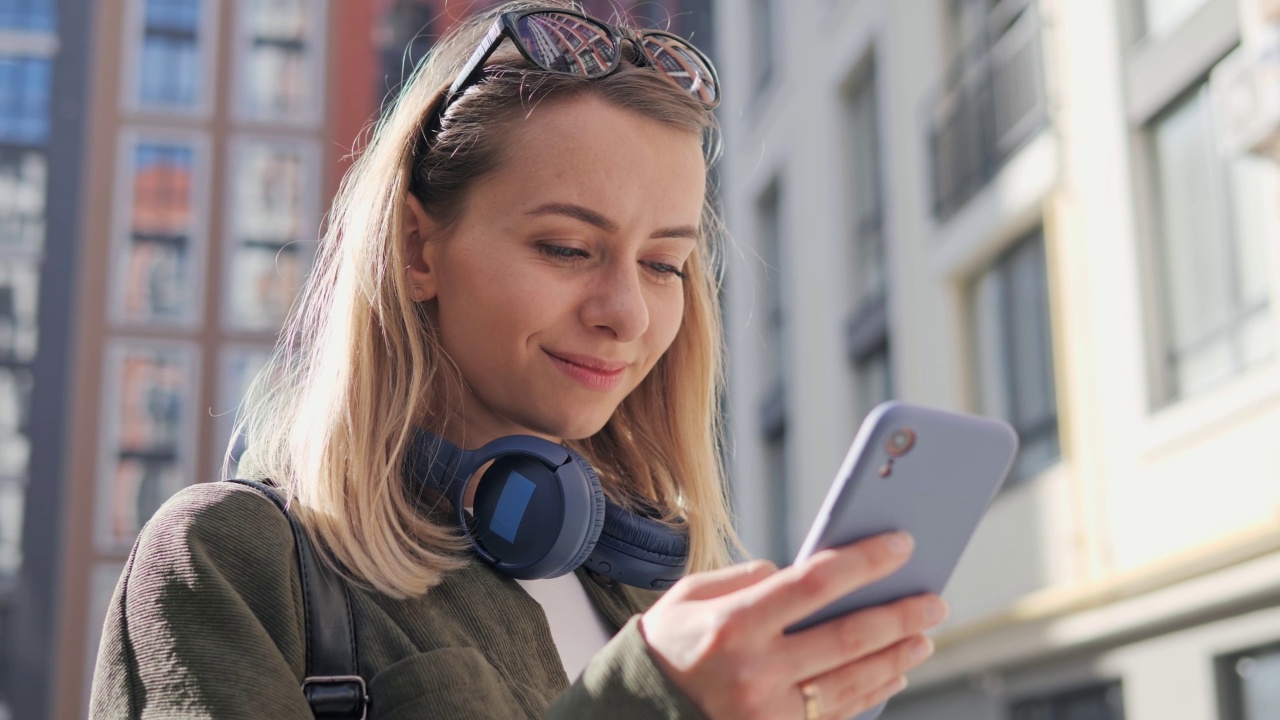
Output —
(576, 626)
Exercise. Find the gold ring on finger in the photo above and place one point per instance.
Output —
(812, 701)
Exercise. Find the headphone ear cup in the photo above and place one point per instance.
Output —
(597, 511)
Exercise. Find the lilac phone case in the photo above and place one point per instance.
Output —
(938, 491)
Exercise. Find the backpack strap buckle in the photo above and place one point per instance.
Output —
(337, 697)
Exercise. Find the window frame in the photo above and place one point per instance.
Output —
(1054, 698)
(1001, 263)
(1230, 690)
(113, 357)
(309, 209)
(312, 115)
(122, 225)
(206, 57)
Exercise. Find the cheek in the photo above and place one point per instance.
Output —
(666, 314)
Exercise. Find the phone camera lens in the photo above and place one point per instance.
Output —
(900, 442)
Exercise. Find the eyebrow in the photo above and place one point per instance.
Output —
(591, 217)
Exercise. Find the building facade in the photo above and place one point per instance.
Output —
(1065, 214)
(164, 168)
(165, 164)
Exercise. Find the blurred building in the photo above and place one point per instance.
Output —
(1062, 213)
(164, 166)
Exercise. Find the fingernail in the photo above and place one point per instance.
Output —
(935, 611)
(898, 543)
(921, 650)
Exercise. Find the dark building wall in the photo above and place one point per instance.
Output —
(31, 626)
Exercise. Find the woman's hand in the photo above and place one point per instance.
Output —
(719, 635)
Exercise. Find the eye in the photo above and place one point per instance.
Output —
(562, 253)
(666, 269)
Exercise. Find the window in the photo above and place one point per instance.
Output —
(773, 409)
(37, 15)
(1015, 352)
(1249, 684)
(867, 326)
(148, 415)
(279, 75)
(169, 73)
(991, 99)
(19, 283)
(1214, 221)
(1160, 17)
(157, 279)
(15, 451)
(23, 177)
(1101, 702)
(24, 99)
(274, 195)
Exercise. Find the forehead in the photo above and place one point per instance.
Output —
(587, 151)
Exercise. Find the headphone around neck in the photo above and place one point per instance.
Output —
(539, 512)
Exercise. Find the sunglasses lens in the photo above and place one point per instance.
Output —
(684, 65)
(568, 44)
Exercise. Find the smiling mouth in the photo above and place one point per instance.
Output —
(588, 371)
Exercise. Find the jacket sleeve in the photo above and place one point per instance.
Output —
(202, 623)
(622, 682)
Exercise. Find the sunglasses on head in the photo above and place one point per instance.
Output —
(564, 41)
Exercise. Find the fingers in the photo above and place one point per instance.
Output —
(722, 581)
(794, 593)
(862, 685)
(840, 641)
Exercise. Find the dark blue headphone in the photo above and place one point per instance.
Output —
(539, 512)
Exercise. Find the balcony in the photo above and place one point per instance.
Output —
(991, 101)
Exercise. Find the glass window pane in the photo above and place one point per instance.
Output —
(175, 15)
(1014, 352)
(272, 246)
(15, 454)
(1217, 224)
(869, 257)
(1029, 333)
(19, 299)
(278, 77)
(39, 15)
(1256, 221)
(1260, 684)
(768, 211)
(1163, 16)
(157, 284)
(23, 182)
(147, 457)
(25, 87)
(170, 71)
(1191, 239)
(15, 421)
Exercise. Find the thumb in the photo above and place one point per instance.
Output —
(725, 580)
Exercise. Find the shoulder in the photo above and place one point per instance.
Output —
(216, 525)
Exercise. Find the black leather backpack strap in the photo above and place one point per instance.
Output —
(332, 685)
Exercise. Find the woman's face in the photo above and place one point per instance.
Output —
(557, 289)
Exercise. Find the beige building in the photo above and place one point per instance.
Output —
(1062, 213)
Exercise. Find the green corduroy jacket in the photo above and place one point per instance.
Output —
(206, 622)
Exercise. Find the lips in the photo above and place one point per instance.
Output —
(593, 372)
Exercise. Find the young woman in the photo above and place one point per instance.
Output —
(526, 253)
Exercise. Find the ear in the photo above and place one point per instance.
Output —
(418, 230)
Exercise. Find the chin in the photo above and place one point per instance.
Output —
(574, 424)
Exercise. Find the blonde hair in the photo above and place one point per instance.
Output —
(358, 364)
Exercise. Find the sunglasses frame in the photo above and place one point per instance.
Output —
(505, 27)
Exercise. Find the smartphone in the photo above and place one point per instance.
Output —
(924, 471)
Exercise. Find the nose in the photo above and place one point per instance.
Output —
(615, 302)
